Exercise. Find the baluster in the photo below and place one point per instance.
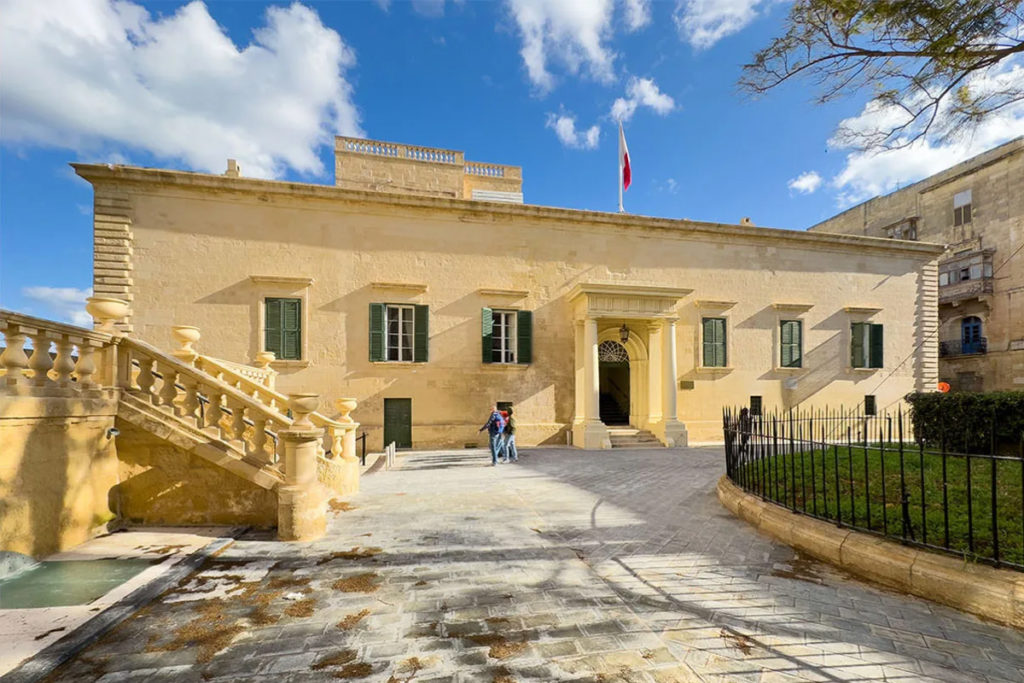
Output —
(64, 364)
(168, 392)
(191, 400)
(336, 442)
(86, 366)
(238, 422)
(41, 362)
(278, 455)
(145, 379)
(213, 410)
(257, 450)
(13, 359)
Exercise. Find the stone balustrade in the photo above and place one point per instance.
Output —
(492, 170)
(257, 383)
(204, 400)
(61, 359)
(397, 151)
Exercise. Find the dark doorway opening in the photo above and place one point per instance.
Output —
(614, 379)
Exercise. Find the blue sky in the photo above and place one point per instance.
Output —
(524, 82)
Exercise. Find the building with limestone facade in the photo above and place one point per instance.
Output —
(423, 287)
(975, 210)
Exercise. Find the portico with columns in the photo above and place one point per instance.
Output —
(639, 322)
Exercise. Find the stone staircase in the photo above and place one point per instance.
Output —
(226, 414)
(630, 437)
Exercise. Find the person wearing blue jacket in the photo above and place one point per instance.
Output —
(495, 426)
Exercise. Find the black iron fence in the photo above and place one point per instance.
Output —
(866, 472)
(963, 347)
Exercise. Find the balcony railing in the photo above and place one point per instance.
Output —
(964, 290)
(958, 347)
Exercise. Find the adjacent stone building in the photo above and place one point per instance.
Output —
(976, 211)
(423, 287)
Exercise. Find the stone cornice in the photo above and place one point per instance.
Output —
(100, 174)
(646, 291)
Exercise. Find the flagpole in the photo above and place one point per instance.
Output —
(621, 210)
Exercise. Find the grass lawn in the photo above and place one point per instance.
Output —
(808, 480)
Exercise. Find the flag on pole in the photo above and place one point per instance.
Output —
(625, 174)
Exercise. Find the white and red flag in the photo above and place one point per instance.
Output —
(625, 174)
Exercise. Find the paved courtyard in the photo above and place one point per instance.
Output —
(614, 566)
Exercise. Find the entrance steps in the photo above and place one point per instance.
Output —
(630, 437)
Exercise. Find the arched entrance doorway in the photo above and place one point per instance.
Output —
(613, 372)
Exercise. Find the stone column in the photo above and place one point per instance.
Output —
(591, 433)
(580, 374)
(675, 431)
(301, 503)
(654, 395)
(592, 381)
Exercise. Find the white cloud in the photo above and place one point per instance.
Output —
(805, 183)
(645, 92)
(429, 8)
(702, 23)
(564, 126)
(95, 74)
(638, 14)
(572, 34)
(867, 174)
(65, 303)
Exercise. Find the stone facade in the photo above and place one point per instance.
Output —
(976, 210)
(210, 250)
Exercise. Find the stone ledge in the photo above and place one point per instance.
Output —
(996, 594)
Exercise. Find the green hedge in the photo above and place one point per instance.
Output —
(965, 421)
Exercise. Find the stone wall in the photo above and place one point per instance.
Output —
(200, 240)
(996, 181)
(160, 483)
(57, 468)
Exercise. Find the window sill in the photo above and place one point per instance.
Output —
(790, 370)
(863, 371)
(505, 366)
(290, 364)
(398, 362)
(704, 370)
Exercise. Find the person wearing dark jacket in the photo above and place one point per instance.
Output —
(511, 454)
(495, 426)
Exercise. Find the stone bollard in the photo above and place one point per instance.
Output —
(301, 503)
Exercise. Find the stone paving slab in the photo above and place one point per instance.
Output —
(568, 566)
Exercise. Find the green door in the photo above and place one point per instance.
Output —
(398, 422)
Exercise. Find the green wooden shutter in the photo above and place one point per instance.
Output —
(786, 334)
(720, 343)
(487, 334)
(857, 345)
(377, 332)
(421, 334)
(714, 342)
(709, 342)
(272, 326)
(291, 329)
(791, 332)
(524, 332)
(877, 347)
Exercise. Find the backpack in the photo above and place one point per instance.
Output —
(510, 426)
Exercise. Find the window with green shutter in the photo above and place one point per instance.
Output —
(282, 332)
(866, 345)
(791, 343)
(399, 332)
(714, 342)
(524, 334)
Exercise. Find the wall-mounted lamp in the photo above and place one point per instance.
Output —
(624, 333)
(112, 432)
